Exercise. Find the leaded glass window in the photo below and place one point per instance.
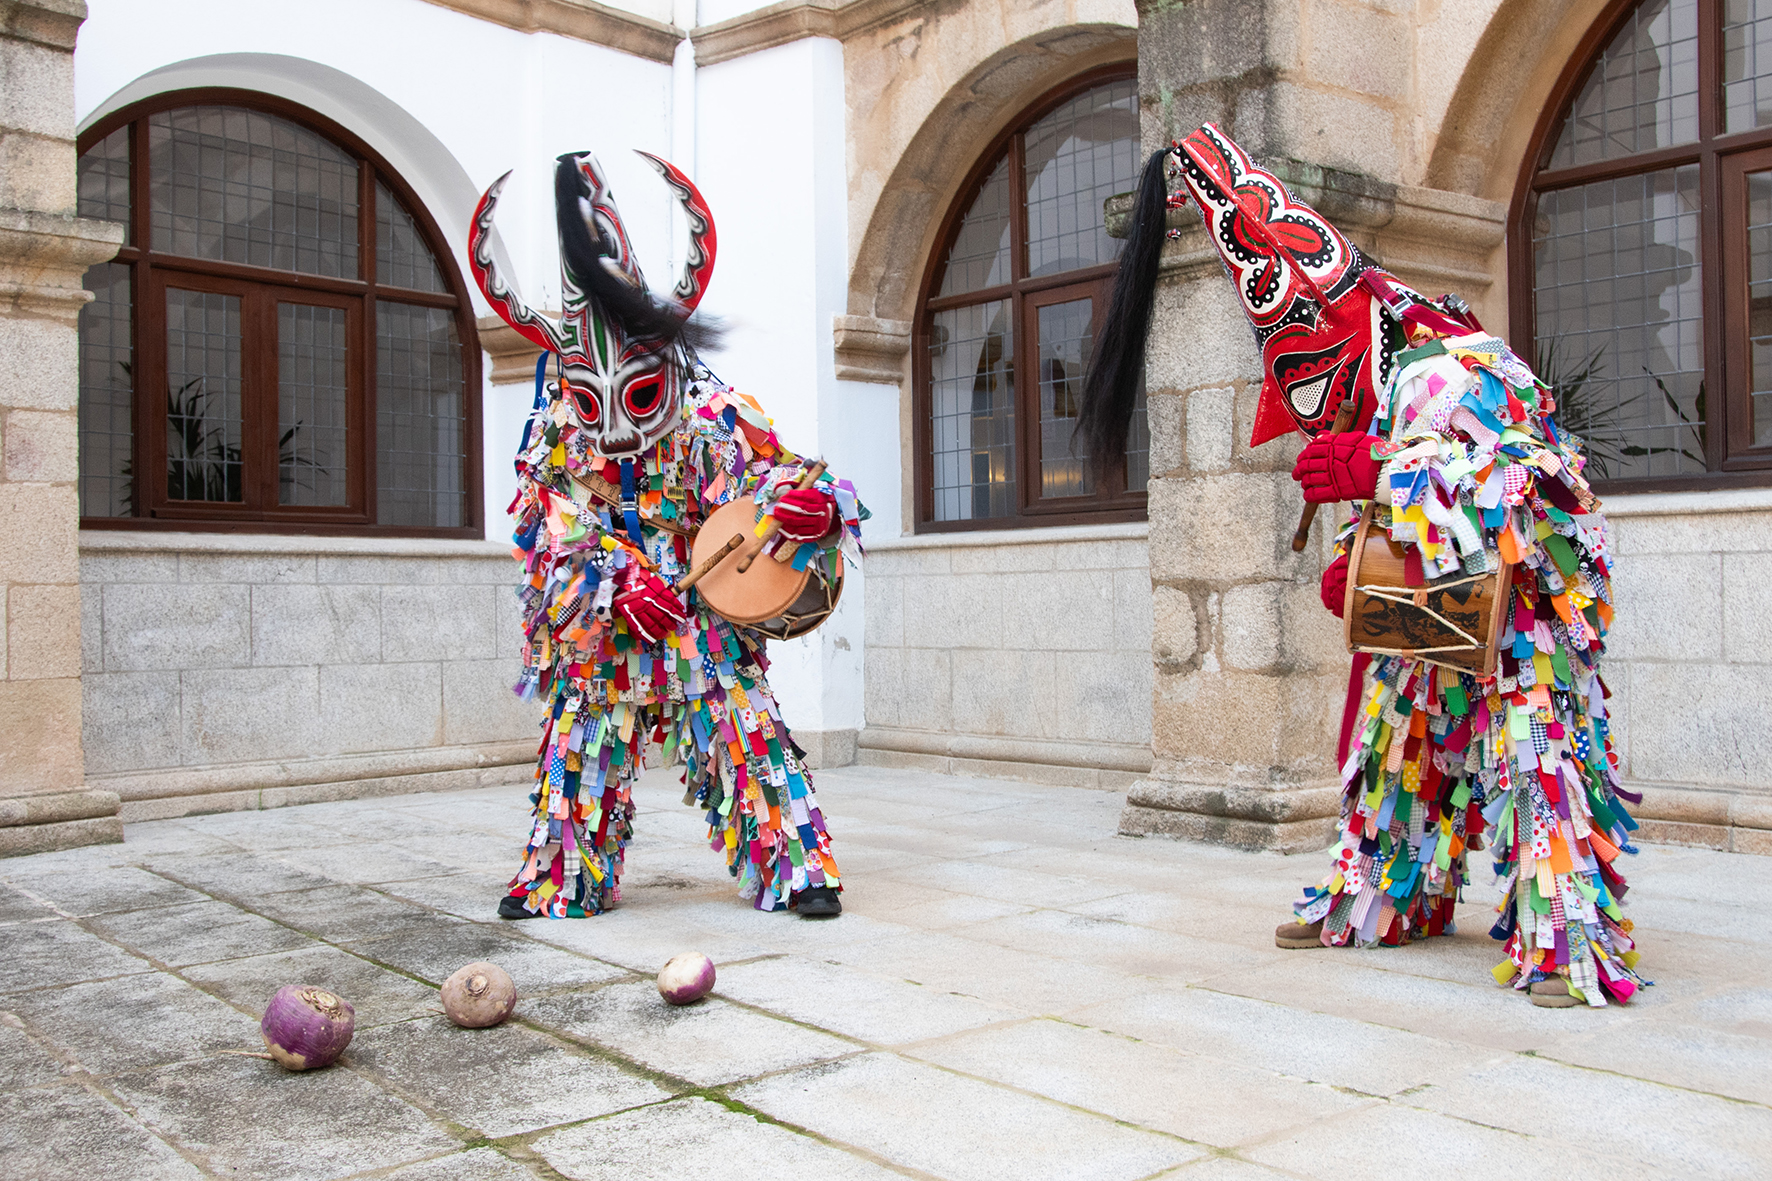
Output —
(283, 342)
(1005, 333)
(1649, 293)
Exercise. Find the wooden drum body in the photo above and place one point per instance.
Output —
(770, 597)
(1453, 622)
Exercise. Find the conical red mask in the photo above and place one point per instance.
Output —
(1324, 336)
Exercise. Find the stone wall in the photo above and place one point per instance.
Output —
(1688, 663)
(224, 672)
(1359, 105)
(44, 250)
(1011, 654)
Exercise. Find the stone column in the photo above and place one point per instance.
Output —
(1250, 670)
(44, 250)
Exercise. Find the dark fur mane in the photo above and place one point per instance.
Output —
(632, 308)
(1110, 392)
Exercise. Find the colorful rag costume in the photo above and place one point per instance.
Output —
(1474, 471)
(623, 457)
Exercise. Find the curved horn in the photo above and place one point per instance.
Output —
(533, 327)
(698, 267)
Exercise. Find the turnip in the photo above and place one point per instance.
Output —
(686, 979)
(306, 1028)
(479, 995)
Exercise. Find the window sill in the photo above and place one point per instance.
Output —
(1124, 531)
(1623, 505)
(117, 541)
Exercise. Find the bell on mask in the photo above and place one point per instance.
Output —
(622, 357)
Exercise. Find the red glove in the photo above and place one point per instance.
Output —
(1333, 588)
(806, 514)
(1338, 467)
(649, 605)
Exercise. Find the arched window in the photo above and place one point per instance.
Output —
(1008, 314)
(1642, 245)
(284, 342)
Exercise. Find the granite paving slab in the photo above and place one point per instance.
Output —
(437, 951)
(378, 995)
(198, 933)
(1013, 991)
(1214, 1102)
(168, 1021)
(497, 1082)
(708, 1043)
(476, 1164)
(24, 1060)
(245, 1117)
(43, 955)
(105, 890)
(67, 1133)
(692, 1139)
(904, 1111)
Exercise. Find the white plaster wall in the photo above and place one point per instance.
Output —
(770, 159)
(450, 101)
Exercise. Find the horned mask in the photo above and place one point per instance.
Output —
(621, 368)
(1327, 320)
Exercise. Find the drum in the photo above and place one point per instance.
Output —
(770, 597)
(1452, 622)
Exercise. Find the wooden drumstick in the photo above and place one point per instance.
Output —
(1344, 419)
(714, 559)
(769, 529)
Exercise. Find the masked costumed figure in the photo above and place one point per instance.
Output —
(1448, 447)
(626, 452)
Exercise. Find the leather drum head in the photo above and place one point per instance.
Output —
(764, 591)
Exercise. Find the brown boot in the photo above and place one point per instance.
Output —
(1553, 993)
(1297, 935)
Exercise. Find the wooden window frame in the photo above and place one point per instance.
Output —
(1722, 243)
(1025, 296)
(151, 271)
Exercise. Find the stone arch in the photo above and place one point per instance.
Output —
(1495, 108)
(893, 253)
(409, 147)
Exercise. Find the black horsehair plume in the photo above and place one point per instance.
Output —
(631, 306)
(1110, 392)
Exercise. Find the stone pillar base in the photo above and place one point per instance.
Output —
(1284, 820)
(827, 748)
(64, 820)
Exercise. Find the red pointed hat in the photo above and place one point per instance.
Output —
(1324, 333)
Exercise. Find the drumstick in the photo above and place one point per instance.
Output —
(714, 559)
(1344, 418)
(769, 528)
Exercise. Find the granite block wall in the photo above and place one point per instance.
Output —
(1011, 654)
(222, 671)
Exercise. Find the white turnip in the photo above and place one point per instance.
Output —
(686, 979)
(479, 995)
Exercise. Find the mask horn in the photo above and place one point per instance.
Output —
(698, 267)
(530, 325)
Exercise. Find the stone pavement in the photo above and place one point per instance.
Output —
(1012, 992)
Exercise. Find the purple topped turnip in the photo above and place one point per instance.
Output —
(686, 979)
(479, 995)
(306, 1028)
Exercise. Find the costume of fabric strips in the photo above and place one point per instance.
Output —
(1476, 471)
(700, 695)
(624, 456)
(1468, 469)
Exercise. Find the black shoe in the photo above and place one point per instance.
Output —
(820, 902)
(511, 907)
